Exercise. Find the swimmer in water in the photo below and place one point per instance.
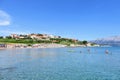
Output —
(106, 51)
(88, 50)
(80, 51)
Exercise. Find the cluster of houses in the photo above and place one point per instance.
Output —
(34, 36)
(37, 36)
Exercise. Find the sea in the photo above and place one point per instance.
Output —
(70, 63)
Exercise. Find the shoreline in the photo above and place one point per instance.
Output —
(41, 45)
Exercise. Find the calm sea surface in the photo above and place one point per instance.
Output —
(60, 64)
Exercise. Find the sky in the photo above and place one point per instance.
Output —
(79, 19)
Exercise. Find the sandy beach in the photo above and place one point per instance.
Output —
(42, 45)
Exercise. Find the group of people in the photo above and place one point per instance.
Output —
(106, 51)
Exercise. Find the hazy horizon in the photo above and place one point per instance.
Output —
(79, 19)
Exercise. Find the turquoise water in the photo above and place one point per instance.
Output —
(60, 64)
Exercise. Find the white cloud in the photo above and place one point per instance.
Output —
(4, 18)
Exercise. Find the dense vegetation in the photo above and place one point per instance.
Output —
(65, 41)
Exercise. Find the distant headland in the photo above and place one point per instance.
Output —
(40, 41)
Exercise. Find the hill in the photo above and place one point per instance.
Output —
(112, 41)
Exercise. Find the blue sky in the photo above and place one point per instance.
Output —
(80, 19)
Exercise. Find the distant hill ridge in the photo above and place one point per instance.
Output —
(113, 41)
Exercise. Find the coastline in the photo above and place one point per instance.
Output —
(41, 45)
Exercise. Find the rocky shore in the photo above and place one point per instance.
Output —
(42, 45)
